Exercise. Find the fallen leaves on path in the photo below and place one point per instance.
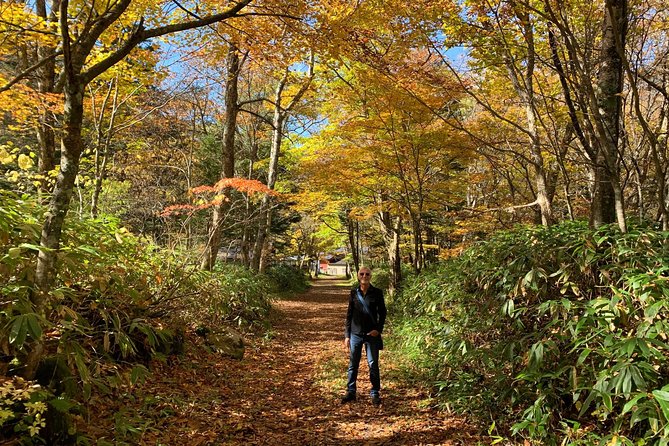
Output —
(284, 392)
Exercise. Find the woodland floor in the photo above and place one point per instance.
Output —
(285, 391)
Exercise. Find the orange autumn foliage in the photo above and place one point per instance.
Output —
(240, 184)
(243, 185)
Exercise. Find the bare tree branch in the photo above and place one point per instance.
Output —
(29, 70)
(141, 34)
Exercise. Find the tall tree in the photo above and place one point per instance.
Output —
(279, 118)
(46, 84)
(503, 40)
(227, 154)
(391, 149)
(28, 50)
(592, 88)
(608, 201)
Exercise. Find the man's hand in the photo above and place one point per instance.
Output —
(347, 344)
(373, 333)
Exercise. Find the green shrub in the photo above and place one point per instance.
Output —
(232, 294)
(117, 297)
(381, 277)
(287, 278)
(547, 329)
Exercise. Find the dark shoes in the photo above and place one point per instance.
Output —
(376, 401)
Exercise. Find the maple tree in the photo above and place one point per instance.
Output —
(271, 45)
(227, 151)
(392, 152)
(218, 194)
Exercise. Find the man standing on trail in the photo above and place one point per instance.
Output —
(365, 318)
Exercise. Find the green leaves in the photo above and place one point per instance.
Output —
(22, 326)
(115, 302)
(536, 355)
(138, 374)
(559, 323)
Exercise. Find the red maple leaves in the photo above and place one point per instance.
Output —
(215, 195)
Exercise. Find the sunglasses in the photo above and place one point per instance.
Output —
(364, 274)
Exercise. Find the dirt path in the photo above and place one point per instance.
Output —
(286, 391)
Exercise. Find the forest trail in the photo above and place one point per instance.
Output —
(286, 390)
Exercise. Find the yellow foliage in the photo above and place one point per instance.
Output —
(20, 102)
(25, 163)
(5, 156)
(20, 27)
(12, 176)
(385, 141)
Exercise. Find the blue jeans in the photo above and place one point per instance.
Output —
(373, 345)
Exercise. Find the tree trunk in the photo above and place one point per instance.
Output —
(100, 170)
(103, 143)
(244, 247)
(228, 156)
(352, 240)
(46, 75)
(390, 230)
(246, 233)
(71, 147)
(265, 219)
(608, 205)
(602, 206)
(662, 176)
(524, 86)
(394, 257)
(264, 256)
(278, 122)
(580, 128)
(656, 140)
(266, 205)
(417, 243)
(662, 145)
(265, 223)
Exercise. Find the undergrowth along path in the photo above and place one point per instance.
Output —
(286, 390)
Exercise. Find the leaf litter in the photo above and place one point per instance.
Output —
(284, 392)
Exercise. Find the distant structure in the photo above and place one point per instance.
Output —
(333, 266)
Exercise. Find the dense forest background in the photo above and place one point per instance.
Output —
(503, 165)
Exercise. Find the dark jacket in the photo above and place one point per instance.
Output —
(357, 320)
